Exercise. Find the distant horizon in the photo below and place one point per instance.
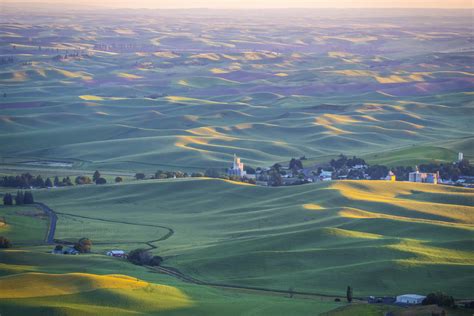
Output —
(255, 5)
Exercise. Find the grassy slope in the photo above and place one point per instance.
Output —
(376, 236)
(24, 224)
(195, 300)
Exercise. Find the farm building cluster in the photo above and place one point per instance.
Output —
(342, 168)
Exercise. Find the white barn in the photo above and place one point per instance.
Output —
(410, 299)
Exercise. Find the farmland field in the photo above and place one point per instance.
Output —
(190, 96)
(135, 91)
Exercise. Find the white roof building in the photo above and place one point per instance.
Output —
(115, 253)
(410, 299)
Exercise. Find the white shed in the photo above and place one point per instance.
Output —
(116, 253)
(410, 299)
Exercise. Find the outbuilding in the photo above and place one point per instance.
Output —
(116, 253)
(410, 299)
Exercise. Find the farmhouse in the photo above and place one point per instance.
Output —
(116, 253)
(423, 177)
(410, 299)
(325, 175)
(237, 168)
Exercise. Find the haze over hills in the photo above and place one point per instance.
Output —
(130, 91)
(190, 90)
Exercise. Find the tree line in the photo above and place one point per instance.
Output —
(27, 181)
(20, 198)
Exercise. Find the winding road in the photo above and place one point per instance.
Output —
(170, 270)
(53, 219)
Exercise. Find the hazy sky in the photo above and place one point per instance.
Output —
(242, 4)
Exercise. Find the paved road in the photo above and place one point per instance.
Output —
(53, 218)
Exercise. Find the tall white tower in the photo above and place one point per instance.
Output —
(460, 157)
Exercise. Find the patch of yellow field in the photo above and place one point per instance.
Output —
(230, 57)
(425, 254)
(155, 297)
(16, 268)
(339, 54)
(209, 56)
(237, 182)
(235, 66)
(281, 74)
(327, 119)
(181, 99)
(313, 207)
(351, 233)
(76, 75)
(124, 31)
(219, 71)
(165, 55)
(368, 118)
(207, 131)
(183, 82)
(349, 212)
(91, 98)
(258, 55)
(415, 77)
(17, 76)
(184, 142)
(128, 76)
(390, 194)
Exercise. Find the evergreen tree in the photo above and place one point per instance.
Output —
(349, 294)
(56, 181)
(275, 178)
(28, 198)
(67, 181)
(19, 198)
(48, 183)
(96, 176)
(39, 182)
(7, 199)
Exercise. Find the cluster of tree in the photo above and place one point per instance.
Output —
(83, 245)
(160, 174)
(26, 180)
(74, 55)
(343, 161)
(96, 178)
(450, 171)
(20, 198)
(144, 257)
(5, 242)
(295, 164)
(440, 299)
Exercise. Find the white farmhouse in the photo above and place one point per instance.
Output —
(410, 299)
